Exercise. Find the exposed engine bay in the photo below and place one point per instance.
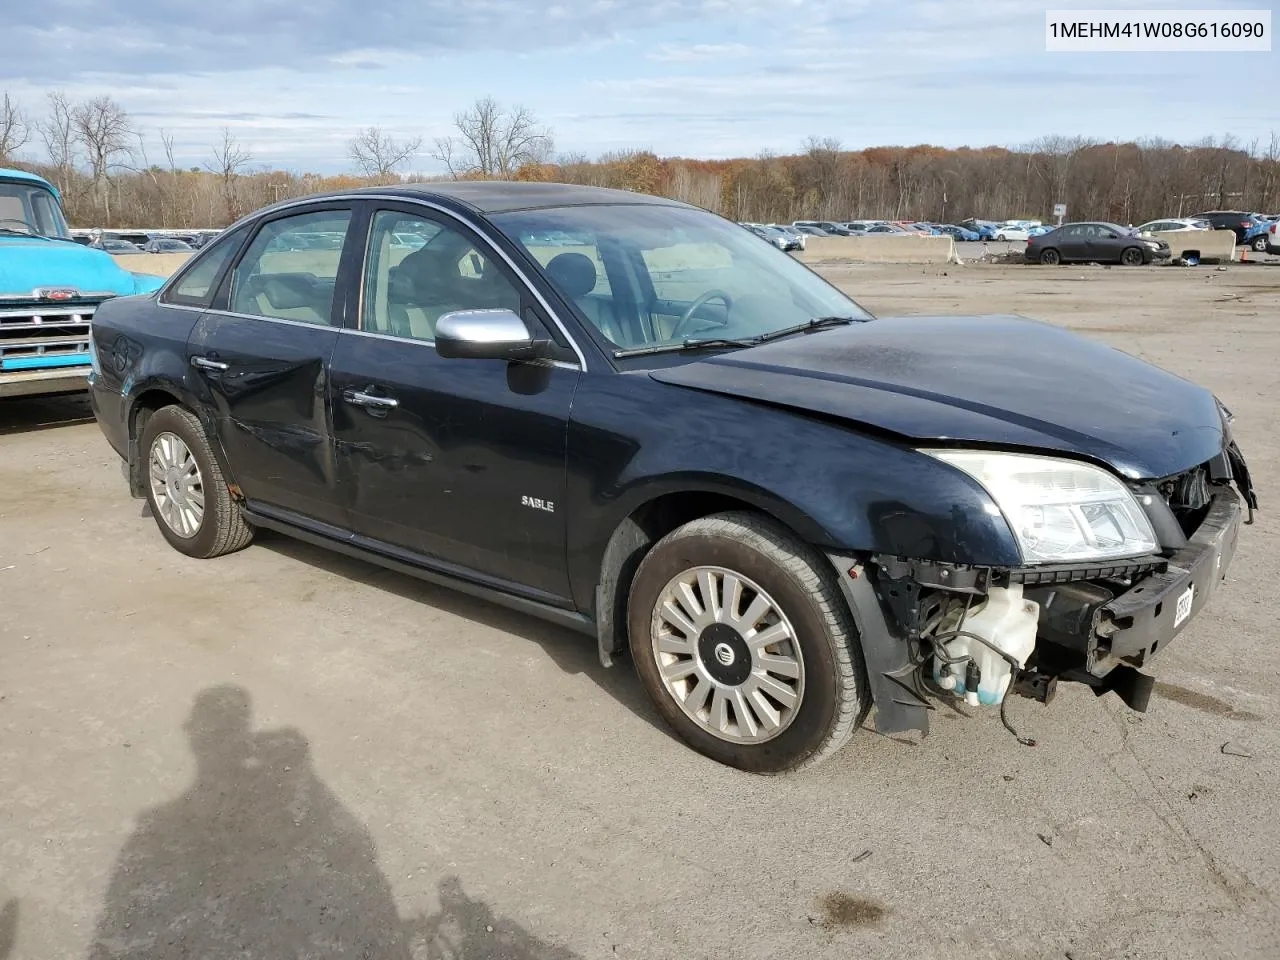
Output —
(978, 634)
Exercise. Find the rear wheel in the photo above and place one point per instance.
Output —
(1050, 257)
(189, 497)
(745, 645)
(1131, 257)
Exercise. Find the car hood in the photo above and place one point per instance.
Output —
(993, 381)
(27, 263)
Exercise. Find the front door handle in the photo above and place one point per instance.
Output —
(206, 364)
(358, 398)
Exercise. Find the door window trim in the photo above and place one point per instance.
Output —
(220, 300)
(171, 285)
(386, 198)
(484, 245)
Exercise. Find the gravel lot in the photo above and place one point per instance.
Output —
(288, 753)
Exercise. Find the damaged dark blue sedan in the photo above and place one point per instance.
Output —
(630, 416)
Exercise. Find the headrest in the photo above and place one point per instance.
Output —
(574, 273)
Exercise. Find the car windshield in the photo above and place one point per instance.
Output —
(649, 275)
(31, 209)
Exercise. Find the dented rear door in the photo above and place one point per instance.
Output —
(262, 355)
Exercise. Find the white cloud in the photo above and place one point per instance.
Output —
(672, 53)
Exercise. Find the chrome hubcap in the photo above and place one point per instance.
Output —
(177, 488)
(727, 654)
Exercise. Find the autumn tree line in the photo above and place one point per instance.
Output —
(113, 173)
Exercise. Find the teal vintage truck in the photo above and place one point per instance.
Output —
(49, 287)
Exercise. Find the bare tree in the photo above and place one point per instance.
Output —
(104, 129)
(15, 131)
(377, 154)
(58, 132)
(493, 141)
(229, 158)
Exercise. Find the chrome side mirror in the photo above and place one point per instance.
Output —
(486, 335)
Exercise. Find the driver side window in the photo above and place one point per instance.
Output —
(418, 269)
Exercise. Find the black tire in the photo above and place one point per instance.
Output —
(1132, 257)
(222, 528)
(835, 697)
(1260, 244)
(1050, 257)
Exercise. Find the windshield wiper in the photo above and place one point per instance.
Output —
(705, 344)
(817, 323)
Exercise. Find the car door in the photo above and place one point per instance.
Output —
(1104, 244)
(460, 460)
(1071, 242)
(260, 355)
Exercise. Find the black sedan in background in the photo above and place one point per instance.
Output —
(1095, 243)
(682, 443)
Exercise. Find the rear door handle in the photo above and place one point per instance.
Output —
(206, 364)
(359, 398)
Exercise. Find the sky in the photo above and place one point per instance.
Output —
(295, 79)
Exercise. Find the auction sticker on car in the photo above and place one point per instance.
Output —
(1184, 606)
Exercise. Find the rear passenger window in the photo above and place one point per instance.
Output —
(291, 268)
(195, 287)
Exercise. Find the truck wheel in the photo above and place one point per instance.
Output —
(745, 644)
(185, 487)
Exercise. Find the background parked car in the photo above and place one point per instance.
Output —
(774, 236)
(888, 229)
(791, 233)
(860, 226)
(167, 245)
(985, 229)
(830, 226)
(1039, 230)
(1172, 225)
(1239, 221)
(1095, 243)
(813, 231)
(960, 233)
(1012, 231)
(1273, 237)
(119, 247)
(1256, 236)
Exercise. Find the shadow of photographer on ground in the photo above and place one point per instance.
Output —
(259, 859)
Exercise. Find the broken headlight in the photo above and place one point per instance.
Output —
(1061, 511)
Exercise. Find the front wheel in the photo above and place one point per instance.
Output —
(1260, 244)
(1050, 257)
(188, 495)
(1131, 257)
(745, 645)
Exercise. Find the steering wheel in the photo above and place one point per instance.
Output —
(677, 331)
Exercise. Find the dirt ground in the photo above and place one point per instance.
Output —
(288, 753)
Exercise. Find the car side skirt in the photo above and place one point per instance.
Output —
(500, 592)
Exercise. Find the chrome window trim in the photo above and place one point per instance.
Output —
(561, 364)
(439, 208)
(254, 316)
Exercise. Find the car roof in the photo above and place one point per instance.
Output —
(499, 196)
(8, 173)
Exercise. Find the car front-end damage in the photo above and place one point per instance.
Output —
(934, 630)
